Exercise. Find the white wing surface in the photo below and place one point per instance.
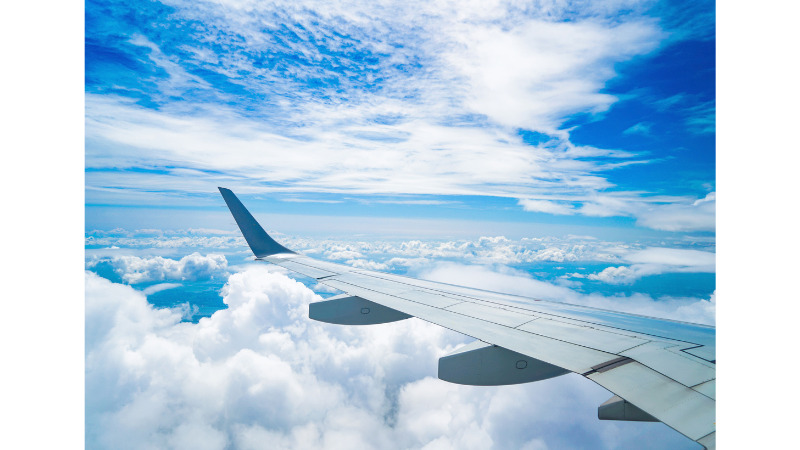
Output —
(658, 369)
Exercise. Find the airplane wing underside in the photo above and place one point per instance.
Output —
(658, 369)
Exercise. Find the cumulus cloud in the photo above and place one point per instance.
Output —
(134, 269)
(631, 261)
(186, 310)
(616, 275)
(259, 373)
(491, 249)
(404, 253)
(367, 264)
(339, 252)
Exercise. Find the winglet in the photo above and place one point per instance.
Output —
(259, 241)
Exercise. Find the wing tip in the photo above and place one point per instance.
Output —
(261, 243)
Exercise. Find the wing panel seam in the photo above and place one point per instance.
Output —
(497, 304)
(483, 320)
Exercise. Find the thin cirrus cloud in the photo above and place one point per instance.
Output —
(654, 261)
(669, 213)
(368, 99)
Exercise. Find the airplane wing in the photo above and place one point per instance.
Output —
(658, 369)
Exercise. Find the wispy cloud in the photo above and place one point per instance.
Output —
(358, 98)
(703, 118)
(642, 128)
(698, 116)
(159, 287)
(546, 206)
(655, 261)
(308, 200)
(697, 215)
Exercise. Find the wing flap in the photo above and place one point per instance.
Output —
(680, 407)
(685, 369)
(709, 389)
(701, 337)
(707, 352)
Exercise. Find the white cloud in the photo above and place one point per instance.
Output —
(367, 264)
(134, 269)
(186, 310)
(343, 254)
(632, 260)
(435, 159)
(639, 128)
(168, 240)
(308, 200)
(616, 275)
(260, 373)
(703, 118)
(546, 206)
(534, 75)
(660, 213)
(672, 256)
(698, 215)
(178, 79)
(657, 260)
(159, 287)
(498, 279)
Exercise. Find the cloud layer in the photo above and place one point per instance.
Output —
(134, 269)
(260, 374)
(631, 261)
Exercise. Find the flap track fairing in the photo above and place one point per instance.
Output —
(351, 310)
(482, 364)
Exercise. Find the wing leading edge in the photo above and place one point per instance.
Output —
(658, 369)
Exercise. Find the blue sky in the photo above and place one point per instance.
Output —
(563, 150)
(569, 113)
